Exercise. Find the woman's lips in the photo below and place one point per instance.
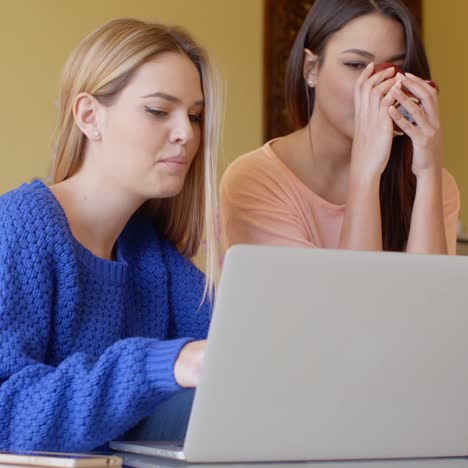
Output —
(175, 163)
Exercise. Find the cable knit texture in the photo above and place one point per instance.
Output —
(87, 345)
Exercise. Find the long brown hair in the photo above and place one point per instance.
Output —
(102, 65)
(398, 183)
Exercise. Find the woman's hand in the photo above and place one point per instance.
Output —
(373, 132)
(425, 134)
(189, 363)
(427, 231)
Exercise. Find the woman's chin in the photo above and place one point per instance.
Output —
(169, 191)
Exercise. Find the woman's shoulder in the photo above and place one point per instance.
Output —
(261, 166)
(176, 262)
(34, 194)
(144, 241)
(29, 211)
(253, 160)
(448, 181)
(450, 191)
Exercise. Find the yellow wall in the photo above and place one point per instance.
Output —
(36, 37)
(446, 38)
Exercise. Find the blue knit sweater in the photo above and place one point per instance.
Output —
(87, 345)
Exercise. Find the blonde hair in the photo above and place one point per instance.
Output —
(102, 65)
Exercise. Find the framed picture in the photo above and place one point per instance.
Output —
(283, 19)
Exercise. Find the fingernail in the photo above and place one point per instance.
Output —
(410, 74)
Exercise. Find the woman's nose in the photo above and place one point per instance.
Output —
(182, 131)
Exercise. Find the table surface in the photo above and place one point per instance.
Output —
(143, 461)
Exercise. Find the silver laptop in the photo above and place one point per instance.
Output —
(330, 355)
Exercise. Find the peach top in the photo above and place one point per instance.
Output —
(263, 202)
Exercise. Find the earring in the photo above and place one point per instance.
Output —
(309, 82)
(96, 133)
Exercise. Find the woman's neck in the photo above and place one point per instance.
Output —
(329, 148)
(319, 155)
(96, 209)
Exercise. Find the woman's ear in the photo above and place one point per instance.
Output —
(310, 67)
(85, 112)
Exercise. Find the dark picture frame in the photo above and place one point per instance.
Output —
(283, 19)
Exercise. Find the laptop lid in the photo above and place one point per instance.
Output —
(323, 354)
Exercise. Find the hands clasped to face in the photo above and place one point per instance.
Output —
(386, 100)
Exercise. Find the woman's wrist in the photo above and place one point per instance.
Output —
(429, 184)
(431, 174)
(363, 176)
(427, 162)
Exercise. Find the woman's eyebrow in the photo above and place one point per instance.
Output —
(369, 55)
(364, 53)
(169, 97)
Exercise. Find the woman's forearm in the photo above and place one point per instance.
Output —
(362, 224)
(427, 231)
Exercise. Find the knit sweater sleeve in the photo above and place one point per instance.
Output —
(189, 315)
(85, 400)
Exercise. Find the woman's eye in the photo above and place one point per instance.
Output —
(156, 112)
(356, 65)
(195, 118)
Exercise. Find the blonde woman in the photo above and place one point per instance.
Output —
(102, 315)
